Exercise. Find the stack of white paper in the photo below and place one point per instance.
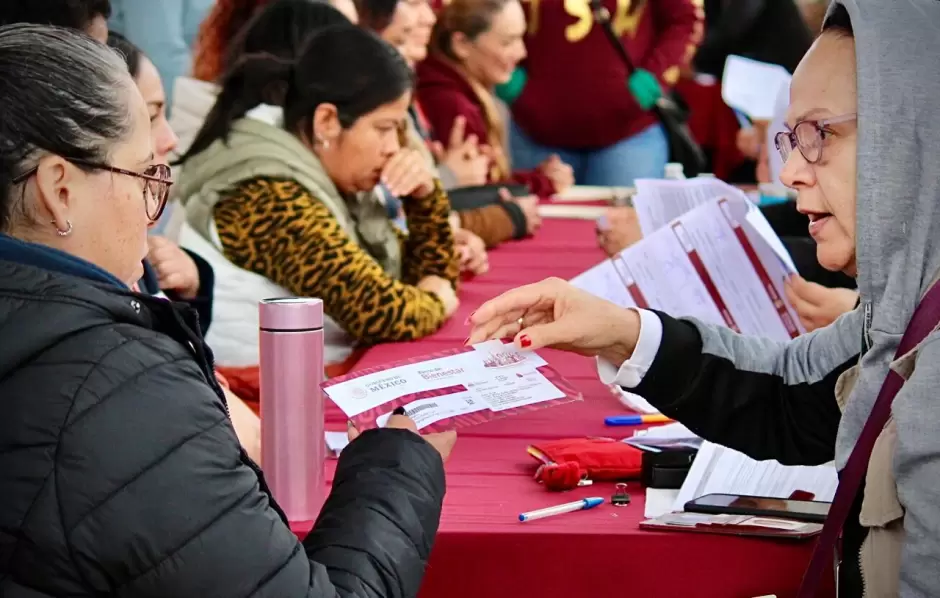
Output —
(707, 252)
(720, 470)
(719, 262)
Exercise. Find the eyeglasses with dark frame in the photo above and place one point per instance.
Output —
(808, 137)
(156, 189)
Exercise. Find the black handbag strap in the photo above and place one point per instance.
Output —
(602, 16)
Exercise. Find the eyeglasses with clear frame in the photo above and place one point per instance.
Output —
(157, 179)
(808, 136)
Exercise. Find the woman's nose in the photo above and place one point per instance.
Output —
(796, 172)
(167, 141)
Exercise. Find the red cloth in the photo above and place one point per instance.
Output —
(603, 459)
(444, 94)
(482, 549)
(576, 95)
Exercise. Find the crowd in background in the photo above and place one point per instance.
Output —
(365, 152)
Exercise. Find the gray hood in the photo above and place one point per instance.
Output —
(898, 196)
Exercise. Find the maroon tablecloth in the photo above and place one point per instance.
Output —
(482, 551)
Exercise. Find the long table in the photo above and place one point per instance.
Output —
(482, 551)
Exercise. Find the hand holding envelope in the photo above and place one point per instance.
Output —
(442, 441)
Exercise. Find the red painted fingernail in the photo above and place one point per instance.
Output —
(525, 341)
(466, 340)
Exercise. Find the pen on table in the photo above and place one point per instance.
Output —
(636, 420)
(578, 505)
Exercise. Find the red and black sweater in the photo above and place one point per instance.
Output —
(576, 95)
(444, 94)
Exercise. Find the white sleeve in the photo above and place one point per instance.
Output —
(631, 371)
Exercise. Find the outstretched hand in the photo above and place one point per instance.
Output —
(553, 313)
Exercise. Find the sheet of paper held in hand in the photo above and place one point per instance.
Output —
(452, 389)
(707, 253)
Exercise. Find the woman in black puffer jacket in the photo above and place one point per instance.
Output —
(120, 470)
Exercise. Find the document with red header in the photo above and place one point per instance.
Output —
(711, 263)
(452, 389)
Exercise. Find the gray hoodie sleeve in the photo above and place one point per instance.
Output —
(917, 467)
(767, 399)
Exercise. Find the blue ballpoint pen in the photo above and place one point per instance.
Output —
(636, 420)
(578, 505)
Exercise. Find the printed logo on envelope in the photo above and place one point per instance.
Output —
(504, 359)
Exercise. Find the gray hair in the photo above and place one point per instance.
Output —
(63, 94)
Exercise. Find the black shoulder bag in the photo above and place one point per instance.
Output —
(682, 146)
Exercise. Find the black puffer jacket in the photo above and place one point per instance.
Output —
(120, 473)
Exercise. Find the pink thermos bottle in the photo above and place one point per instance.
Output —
(293, 448)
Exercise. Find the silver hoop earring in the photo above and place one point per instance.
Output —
(66, 232)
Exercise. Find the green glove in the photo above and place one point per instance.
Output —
(510, 91)
(645, 88)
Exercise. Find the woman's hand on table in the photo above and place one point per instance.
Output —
(529, 205)
(408, 174)
(818, 306)
(560, 174)
(442, 441)
(553, 313)
(621, 231)
(473, 257)
(444, 290)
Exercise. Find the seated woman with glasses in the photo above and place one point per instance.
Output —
(115, 442)
(278, 188)
(869, 187)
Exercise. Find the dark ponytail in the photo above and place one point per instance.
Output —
(350, 68)
(259, 66)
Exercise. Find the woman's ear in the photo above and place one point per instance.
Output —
(326, 125)
(56, 185)
(460, 45)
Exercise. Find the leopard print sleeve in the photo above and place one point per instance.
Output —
(428, 249)
(277, 229)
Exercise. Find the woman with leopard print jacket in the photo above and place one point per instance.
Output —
(282, 199)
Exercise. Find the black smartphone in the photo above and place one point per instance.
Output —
(813, 511)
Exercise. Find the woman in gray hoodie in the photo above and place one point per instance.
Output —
(864, 155)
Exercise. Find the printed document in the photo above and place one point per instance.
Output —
(456, 388)
(659, 202)
(707, 252)
(711, 263)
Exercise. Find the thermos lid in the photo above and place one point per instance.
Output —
(291, 314)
